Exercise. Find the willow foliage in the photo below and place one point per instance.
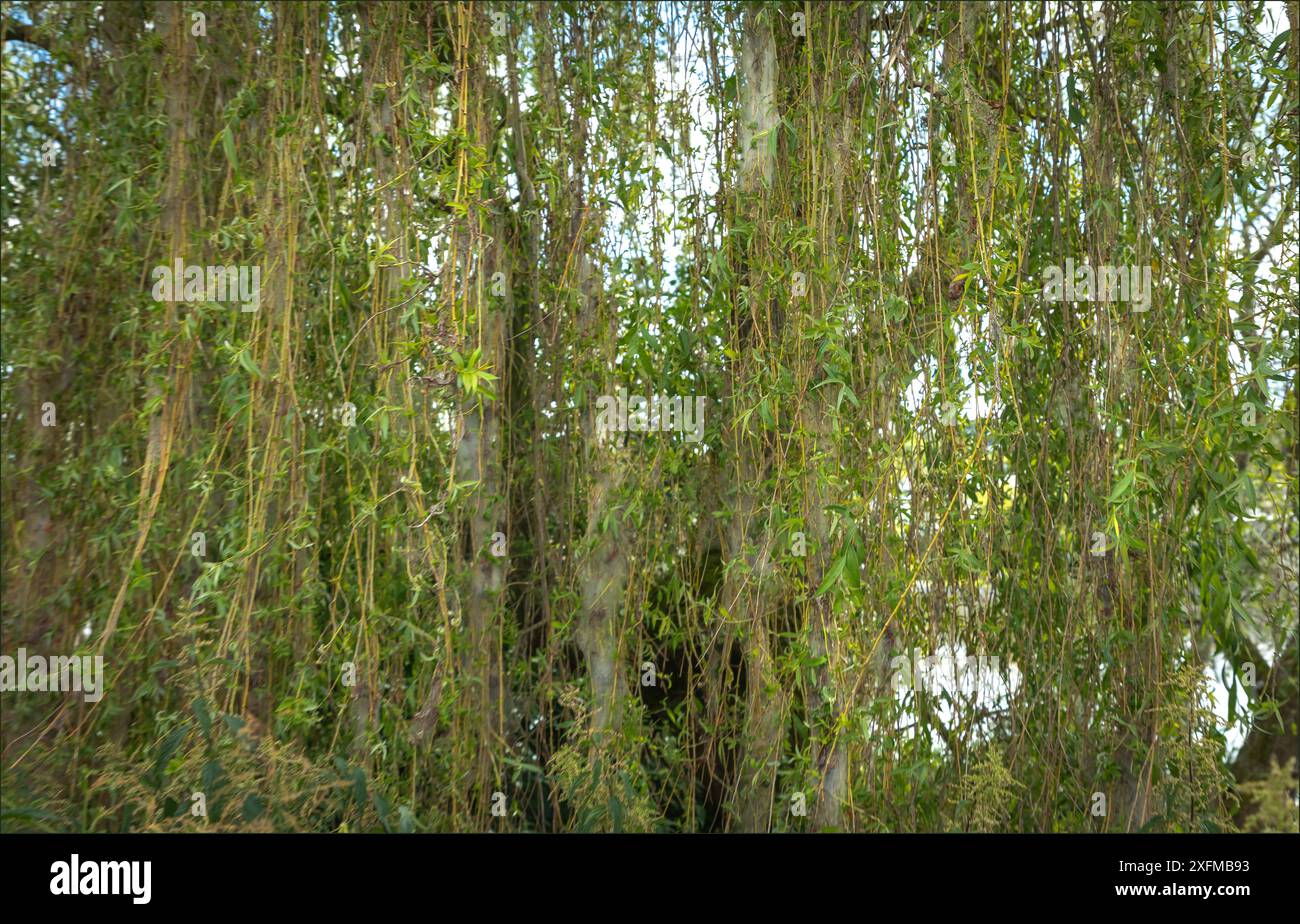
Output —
(402, 529)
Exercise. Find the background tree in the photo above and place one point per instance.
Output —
(367, 557)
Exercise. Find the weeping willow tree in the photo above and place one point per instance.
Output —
(651, 416)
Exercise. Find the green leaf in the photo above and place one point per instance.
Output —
(832, 575)
(1121, 488)
(228, 144)
(165, 752)
(254, 806)
(246, 361)
(204, 717)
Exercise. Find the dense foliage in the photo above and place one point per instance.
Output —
(372, 556)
